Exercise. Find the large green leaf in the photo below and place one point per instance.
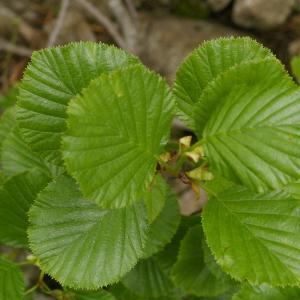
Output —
(17, 157)
(52, 78)
(16, 196)
(7, 121)
(116, 130)
(81, 245)
(255, 236)
(190, 271)
(11, 280)
(164, 227)
(265, 292)
(205, 64)
(253, 135)
(147, 279)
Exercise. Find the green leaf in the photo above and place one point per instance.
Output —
(16, 196)
(147, 279)
(255, 237)
(168, 256)
(295, 66)
(7, 121)
(91, 295)
(205, 64)
(11, 280)
(52, 78)
(253, 135)
(190, 271)
(116, 131)
(155, 201)
(122, 293)
(8, 100)
(265, 292)
(17, 157)
(164, 227)
(81, 245)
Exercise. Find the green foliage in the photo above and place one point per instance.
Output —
(80, 244)
(16, 196)
(204, 65)
(88, 160)
(53, 77)
(255, 236)
(116, 130)
(265, 292)
(11, 280)
(148, 279)
(193, 274)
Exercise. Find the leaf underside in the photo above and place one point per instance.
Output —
(205, 64)
(52, 78)
(81, 245)
(116, 130)
(91, 295)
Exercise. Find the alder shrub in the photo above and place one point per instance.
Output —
(85, 157)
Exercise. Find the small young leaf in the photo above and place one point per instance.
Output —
(205, 64)
(163, 228)
(265, 292)
(11, 281)
(81, 245)
(148, 280)
(252, 136)
(16, 196)
(255, 237)
(190, 272)
(53, 77)
(116, 131)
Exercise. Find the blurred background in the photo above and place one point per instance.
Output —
(160, 32)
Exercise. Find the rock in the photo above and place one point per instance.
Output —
(294, 48)
(167, 40)
(218, 5)
(261, 14)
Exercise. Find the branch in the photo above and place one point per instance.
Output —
(127, 25)
(106, 22)
(59, 23)
(131, 9)
(19, 50)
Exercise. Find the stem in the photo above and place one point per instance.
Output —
(31, 290)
